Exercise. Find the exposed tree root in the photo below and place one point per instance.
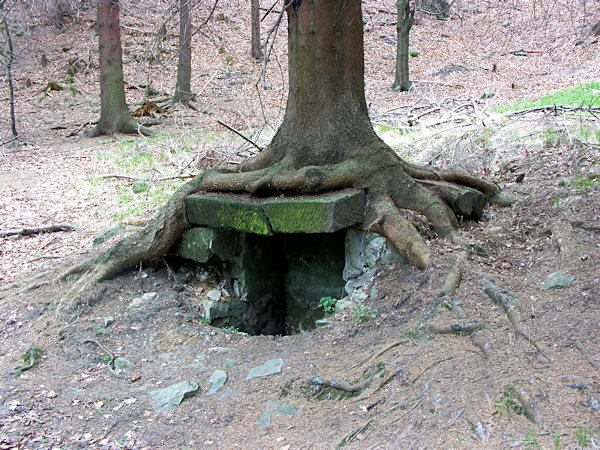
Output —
(429, 367)
(466, 327)
(479, 341)
(110, 363)
(510, 303)
(578, 344)
(528, 406)
(340, 384)
(389, 181)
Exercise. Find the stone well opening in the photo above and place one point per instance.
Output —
(276, 258)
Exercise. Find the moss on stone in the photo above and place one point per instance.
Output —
(226, 212)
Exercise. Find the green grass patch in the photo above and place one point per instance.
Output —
(586, 95)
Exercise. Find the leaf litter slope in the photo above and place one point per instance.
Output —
(71, 399)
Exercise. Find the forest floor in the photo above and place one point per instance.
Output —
(443, 391)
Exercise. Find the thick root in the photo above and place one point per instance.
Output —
(407, 240)
(387, 181)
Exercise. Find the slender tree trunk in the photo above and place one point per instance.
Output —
(257, 52)
(406, 16)
(326, 111)
(9, 61)
(183, 88)
(114, 114)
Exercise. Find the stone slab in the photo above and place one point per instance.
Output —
(226, 211)
(324, 213)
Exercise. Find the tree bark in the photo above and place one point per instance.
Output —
(183, 88)
(114, 114)
(9, 61)
(326, 142)
(406, 17)
(257, 52)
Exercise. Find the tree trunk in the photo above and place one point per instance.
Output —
(257, 52)
(326, 112)
(9, 61)
(114, 114)
(183, 88)
(326, 142)
(406, 16)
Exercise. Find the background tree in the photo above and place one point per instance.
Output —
(257, 52)
(406, 17)
(326, 142)
(114, 114)
(9, 55)
(183, 87)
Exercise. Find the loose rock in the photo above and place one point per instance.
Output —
(217, 381)
(271, 367)
(166, 399)
(276, 408)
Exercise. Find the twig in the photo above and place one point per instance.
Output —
(38, 230)
(124, 177)
(247, 139)
(462, 86)
(209, 81)
(109, 363)
(407, 411)
(429, 367)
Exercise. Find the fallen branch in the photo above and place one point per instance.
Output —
(230, 128)
(462, 86)
(556, 109)
(340, 385)
(586, 354)
(38, 230)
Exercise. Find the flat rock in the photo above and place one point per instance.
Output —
(275, 408)
(166, 399)
(227, 211)
(271, 367)
(217, 381)
(558, 280)
(324, 213)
